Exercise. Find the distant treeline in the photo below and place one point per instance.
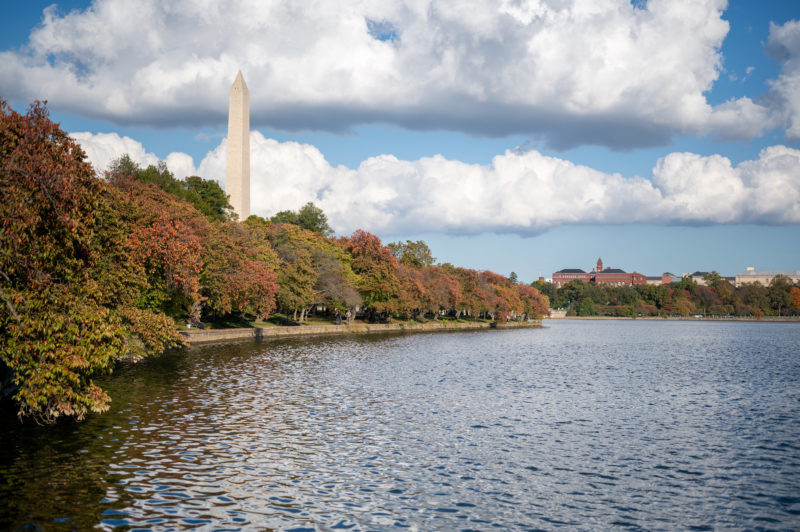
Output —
(718, 298)
(96, 270)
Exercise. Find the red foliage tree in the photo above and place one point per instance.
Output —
(66, 281)
(377, 270)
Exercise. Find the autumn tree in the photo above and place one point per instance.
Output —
(67, 284)
(504, 300)
(205, 194)
(376, 269)
(238, 273)
(534, 303)
(165, 237)
(794, 292)
(312, 270)
(413, 295)
(443, 287)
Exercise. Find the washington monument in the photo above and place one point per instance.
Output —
(237, 172)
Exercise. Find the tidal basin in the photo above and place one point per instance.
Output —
(580, 425)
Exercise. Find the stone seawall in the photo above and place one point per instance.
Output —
(202, 336)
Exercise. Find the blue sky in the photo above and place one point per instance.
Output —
(518, 136)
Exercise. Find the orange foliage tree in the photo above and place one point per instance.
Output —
(68, 286)
(795, 293)
(377, 271)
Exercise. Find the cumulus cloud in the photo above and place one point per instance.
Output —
(519, 192)
(103, 148)
(606, 72)
(784, 46)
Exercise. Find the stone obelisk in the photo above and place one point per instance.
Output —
(237, 172)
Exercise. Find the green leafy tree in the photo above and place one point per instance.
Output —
(285, 217)
(546, 289)
(779, 295)
(571, 293)
(713, 279)
(209, 198)
(309, 217)
(312, 218)
(415, 254)
(205, 194)
(586, 307)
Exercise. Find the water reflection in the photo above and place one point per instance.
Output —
(584, 424)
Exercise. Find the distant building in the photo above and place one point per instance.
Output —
(562, 277)
(612, 276)
(765, 277)
(664, 278)
(697, 277)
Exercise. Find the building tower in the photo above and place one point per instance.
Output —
(237, 171)
(599, 265)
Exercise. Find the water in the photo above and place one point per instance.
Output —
(582, 425)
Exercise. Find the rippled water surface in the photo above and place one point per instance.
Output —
(581, 425)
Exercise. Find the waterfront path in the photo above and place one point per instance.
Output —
(202, 336)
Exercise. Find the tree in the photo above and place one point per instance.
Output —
(572, 292)
(415, 254)
(655, 295)
(713, 279)
(209, 198)
(312, 269)
(238, 273)
(795, 293)
(444, 289)
(708, 300)
(754, 298)
(376, 269)
(312, 218)
(205, 194)
(67, 283)
(546, 289)
(513, 277)
(535, 304)
(586, 307)
(308, 217)
(778, 293)
(335, 280)
(285, 217)
(124, 165)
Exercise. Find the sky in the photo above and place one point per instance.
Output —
(510, 135)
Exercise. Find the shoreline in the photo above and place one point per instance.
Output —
(774, 319)
(206, 336)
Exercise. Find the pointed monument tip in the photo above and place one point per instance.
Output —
(239, 81)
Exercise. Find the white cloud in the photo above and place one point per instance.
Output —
(519, 192)
(103, 148)
(601, 71)
(784, 46)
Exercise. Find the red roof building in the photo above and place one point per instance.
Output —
(612, 276)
